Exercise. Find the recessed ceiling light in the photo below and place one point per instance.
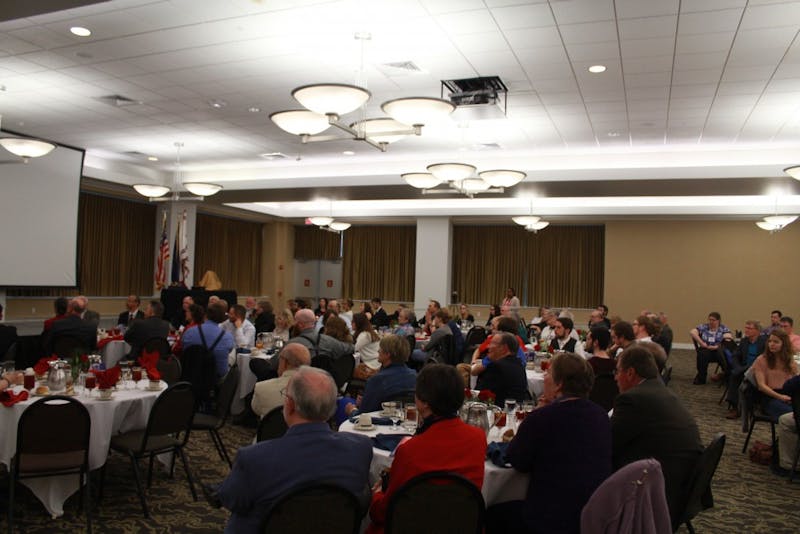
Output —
(254, 109)
(80, 31)
(152, 158)
(217, 103)
(349, 153)
(597, 69)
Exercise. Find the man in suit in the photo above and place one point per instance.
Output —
(133, 312)
(150, 326)
(267, 393)
(309, 452)
(504, 373)
(379, 316)
(650, 421)
(8, 335)
(74, 326)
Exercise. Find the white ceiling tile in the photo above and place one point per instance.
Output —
(648, 64)
(638, 48)
(562, 102)
(787, 70)
(534, 38)
(648, 28)
(576, 11)
(480, 42)
(747, 74)
(784, 85)
(741, 88)
(43, 38)
(650, 79)
(542, 55)
(700, 61)
(767, 16)
(49, 60)
(631, 9)
(523, 16)
(709, 42)
(609, 106)
(555, 85)
(726, 20)
(689, 105)
(601, 97)
(766, 38)
(589, 32)
(691, 77)
(476, 21)
(692, 6)
(446, 6)
(594, 52)
(742, 56)
(18, 65)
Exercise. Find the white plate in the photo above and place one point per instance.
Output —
(105, 398)
(364, 428)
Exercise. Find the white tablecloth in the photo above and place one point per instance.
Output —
(128, 410)
(113, 352)
(499, 484)
(247, 382)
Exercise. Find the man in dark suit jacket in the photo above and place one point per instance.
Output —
(8, 335)
(132, 313)
(650, 421)
(503, 372)
(379, 316)
(309, 451)
(151, 326)
(74, 326)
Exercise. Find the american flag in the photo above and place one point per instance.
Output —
(177, 280)
(163, 255)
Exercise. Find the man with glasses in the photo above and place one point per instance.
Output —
(751, 345)
(266, 395)
(787, 324)
(309, 452)
(708, 339)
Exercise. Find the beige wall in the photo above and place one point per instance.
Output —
(277, 262)
(690, 268)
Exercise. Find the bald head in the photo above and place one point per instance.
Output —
(294, 355)
(304, 318)
(312, 394)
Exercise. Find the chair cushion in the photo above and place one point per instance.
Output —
(131, 442)
(36, 463)
(205, 421)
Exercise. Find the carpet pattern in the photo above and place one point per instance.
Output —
(748, 497)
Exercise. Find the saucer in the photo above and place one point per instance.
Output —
(364, 428)
(105, 398)
(156, 388)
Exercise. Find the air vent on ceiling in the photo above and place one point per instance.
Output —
(272, 156)
(135, 154)
(118, 101)
(480, 98)
(403, 65)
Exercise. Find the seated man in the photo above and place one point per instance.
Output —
(750, 347)
(563, 339)
(650, 421)
(394, 377)
(787, 324)
(427, 322)
(132, 312)
(60, 305)
(499, 325)
(405, 318)
(242, 330)
(182, 317)
(708, 337)
(439, 394)
(440, 334)
(309, 451)
(622, 336)
(267, 393)
(209, 334)
(74, 326)
(643, 328)
(504, 374)
(566, 448)
(379, 316)
(151, 326)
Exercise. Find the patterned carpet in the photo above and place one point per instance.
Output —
(748, 497)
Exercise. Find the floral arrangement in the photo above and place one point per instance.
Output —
(78, 363)
(149, 362)
(581, 334)
(107, 379)
(43, 365)
(487, 396)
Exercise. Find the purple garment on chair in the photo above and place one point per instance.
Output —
(631, 501)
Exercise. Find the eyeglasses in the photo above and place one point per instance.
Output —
(284, 393)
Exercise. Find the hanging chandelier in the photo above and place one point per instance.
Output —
(776, 223)
(26, 147)
(155, 191)
(461, 177)
(532, 223)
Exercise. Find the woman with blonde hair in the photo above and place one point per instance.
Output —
(283, 324)
(772, 369)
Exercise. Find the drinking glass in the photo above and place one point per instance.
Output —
(510, 409)
(396, 415)
(137, 375)
(127, 376)
(90, 382)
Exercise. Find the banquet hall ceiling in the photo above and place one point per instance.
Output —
(697, 112)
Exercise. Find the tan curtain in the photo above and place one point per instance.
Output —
(232, 249)
(116, 249)
(558, 266)
(379, 261)
(312, 243)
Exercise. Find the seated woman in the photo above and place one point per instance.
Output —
(464, 316)
(283, 325)
(265, 317)
(442, 443)
(772, 369)
(337, 329)
(394, 377)
(566, 448)
(494, 311)
(366, 346)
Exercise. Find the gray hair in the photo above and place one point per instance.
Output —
(314, 393)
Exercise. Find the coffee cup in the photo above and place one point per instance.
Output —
(364, 420)
(105, 394)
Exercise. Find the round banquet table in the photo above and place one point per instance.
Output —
(500, 484)
(127, 410)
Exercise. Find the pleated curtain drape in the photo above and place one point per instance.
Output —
(232, 249)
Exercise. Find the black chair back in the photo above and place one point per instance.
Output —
(443, 502)
(699, 498)
(170, 369)
(315, 508)
(604, 391)
(200, 370)
(172, 414)
(66, 346)
(272, 425)
(226, 393)
(342, 369)
(412, 341)
(666, 374)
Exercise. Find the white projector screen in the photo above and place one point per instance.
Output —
(39, 218)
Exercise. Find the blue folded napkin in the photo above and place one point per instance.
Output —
(496, 453)
(375, 420)
(388, 442)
